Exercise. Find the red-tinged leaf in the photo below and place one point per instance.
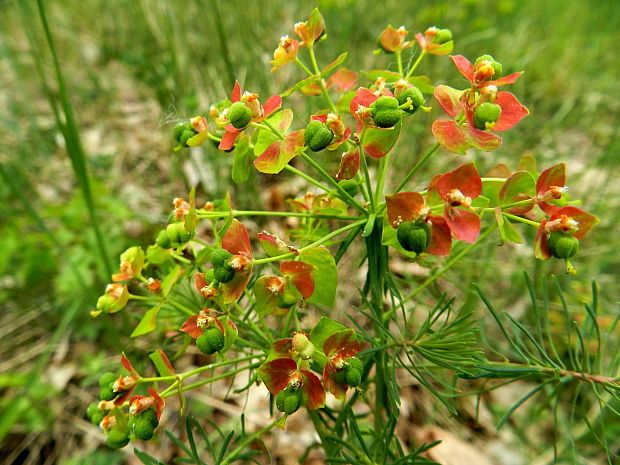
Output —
(276, 157)
(510, 79)
(274, 246)
(519, 186)
(482, 140)
(159, 402)
(343, 343)
(162, 363)
(266, 292)
(553, 176)
(282, 120)
(299, 85)
(236, 93)
(541, 245)
(300, 274)
(334, 64)
(191, 327)
(464, 224)
(201, 282)
(441, 237)
(439, 49)
(315, 27)
(272, 104)
(464, 66)
(449, 99)
(148, 322)
(464, 178)
(585, 220)
(512, 111)
(342, 80)
(233, 290)
(324, 275)
(363, 98)
(276, 373)
(338, 390)
(311, 89)
(121, 400)
(313, 391)
(378, 142)
(281, 348)
(403, 206)
(349, 165)
(548, 208)
(451, 136)
(228, 139)
(236, 240)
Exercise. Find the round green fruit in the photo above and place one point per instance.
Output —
(143, 429)
(385, 112)
(442, 36)
(417, 99)
(117, 439)
(177, 234)
(223, 274)
(163, 240)
(211, 341)
(220, 257)
(562, 245)
(288, 401)
(353, 377)
(317, 136)
(413, 237)
(239, 115)
(486, 114)
(179, 129)
(149, 415)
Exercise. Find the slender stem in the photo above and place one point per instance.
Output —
(272, 213)
(399, 62)
(522, 220)
(415, 64)
(267, 126)
(383, 164)
(304, 67)
(324, 239)
(450, 263)
(350, 200)
(417, 167)
(320, 82)
(217, 378)
(248, 440)
(310, 179)
(366, 172)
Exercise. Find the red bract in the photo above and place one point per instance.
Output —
(334, 123)
(138, 404)
(457, 189)
(282, 372)
(569, 220)
(300, 274)
(410, 206)
(338, 348)
(126, 384)
(259, 113)
(460, 135)
(393, 40)
(480, 75)
(237, 241)
(551, 185)
(203, 287)
(195, 325)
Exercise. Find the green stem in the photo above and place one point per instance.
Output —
(310, 179)
(268, 127)
(236, 213)
(383, 164)
(350, 200)
(522, 220)
(417, 167)
(248, 440)
(450, 263)
(320, 82)
(304, 67)
(415, 64)
(222, 376)
(324, 239)
(399, 62)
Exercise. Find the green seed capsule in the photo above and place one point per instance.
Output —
(117, 439)
(417, 99)
(143, 429)
(497, 66)
(187, 135)
(355, 363)
(239, 115)
(220, 257)
(288, 401)
(178, 130)
(562, 245)
(353, 377)
(286, 300)
(442, 36)
(106, 379)
(97, 417)
(211, 341)
(163, 240)
(486, 114)
(177, 234)
(385, 112)
(223, 274)
(210, 275)
(317, 136)
(149, 415)
(413, 237)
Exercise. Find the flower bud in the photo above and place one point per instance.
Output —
(497, 66)
(562, 245)
(302, 347)
(486, 115)
(415, 96)
(317, 136)
(117, 438)
(239, 115)
(211, 341)
(413, 237)
(385, 112)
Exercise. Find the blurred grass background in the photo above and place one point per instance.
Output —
(95, 149)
